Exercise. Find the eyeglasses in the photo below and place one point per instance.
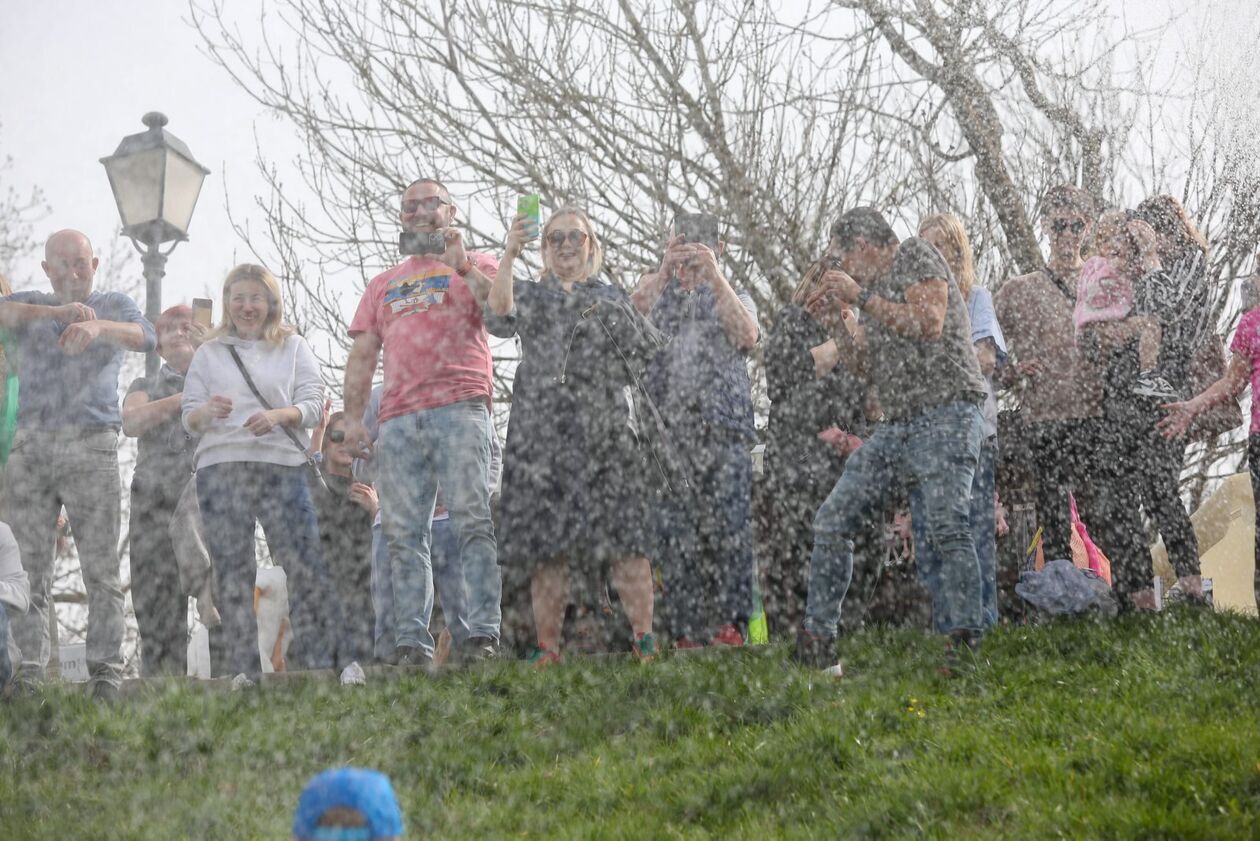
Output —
(1061, 225)
(337, 436)
(557, 238)
(429, 203)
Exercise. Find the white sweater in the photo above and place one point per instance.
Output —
(15, 588)
(286, 374)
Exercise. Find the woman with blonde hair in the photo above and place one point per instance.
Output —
(575, 491)
(252, 391)
(945, 231)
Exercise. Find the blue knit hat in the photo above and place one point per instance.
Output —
(362, 789)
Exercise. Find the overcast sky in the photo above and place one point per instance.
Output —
(78, 77)
(79, 74)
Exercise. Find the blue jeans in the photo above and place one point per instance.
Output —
(382, 595)
(449, 447)
(983, 532)
(77, 468)
(235, 495)
(448, 580)
(935, 456)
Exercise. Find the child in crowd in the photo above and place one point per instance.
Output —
(15, 597)
(1106, 291)
(348, 804)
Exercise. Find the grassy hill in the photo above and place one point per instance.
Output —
(1143, 727)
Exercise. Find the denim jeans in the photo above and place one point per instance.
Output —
(933, 455)
(235, 495)
(706, 545)
(449, 447)
(76, 468)
(983, 532)
(161, 606)
(448, 581)
(382, 595)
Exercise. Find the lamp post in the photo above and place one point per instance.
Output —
(155, 182)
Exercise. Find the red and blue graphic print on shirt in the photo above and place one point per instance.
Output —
(417, 292)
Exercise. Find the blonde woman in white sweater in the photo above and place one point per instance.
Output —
(251, 467)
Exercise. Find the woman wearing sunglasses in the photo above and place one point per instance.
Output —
(574, 499)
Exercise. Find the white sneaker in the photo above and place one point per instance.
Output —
(353, 675)
(1150, 384)
(240, 682)
(836, 671)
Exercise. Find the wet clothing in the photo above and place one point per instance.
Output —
(65, 452)
(1178, 295)
(1150, 466)
(800, 470)
(700, 376)
(165, 453)
(1035, 311)
(984, 325)
(1068, 440)
(701, 384)
(58, 390)
(245, 479)
(1253, 462)
(345, 539)
(911, 375)
(1246, 343)
(430, 325)
(164, 464)
(286, 374)
(575, 481)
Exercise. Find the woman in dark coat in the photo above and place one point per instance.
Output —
(575, 492)
(816, 418)
(1176, 292)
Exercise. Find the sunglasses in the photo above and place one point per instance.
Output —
(429, 203)
(337, 436)
(557, 238)
(1061, 225)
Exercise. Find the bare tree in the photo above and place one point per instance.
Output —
(634, 110)
(773, 118)
(19, 213)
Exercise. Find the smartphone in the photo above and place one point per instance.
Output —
(203, 311)
(421, 242)
(702, 228)
(530, 206)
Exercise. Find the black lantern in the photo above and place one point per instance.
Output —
(155, 181)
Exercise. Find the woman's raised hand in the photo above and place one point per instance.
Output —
(524, 230)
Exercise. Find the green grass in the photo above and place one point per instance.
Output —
(1144, 727)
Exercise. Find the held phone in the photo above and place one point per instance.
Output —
(702, 228)
(203, 310)
(421, 242)
(530, 207)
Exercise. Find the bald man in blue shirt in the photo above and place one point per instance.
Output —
(71, 344)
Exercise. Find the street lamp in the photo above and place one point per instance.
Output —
(156, 182)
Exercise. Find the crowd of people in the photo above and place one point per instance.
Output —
(627, 471)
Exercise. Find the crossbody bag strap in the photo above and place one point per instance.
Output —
(249, 381)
